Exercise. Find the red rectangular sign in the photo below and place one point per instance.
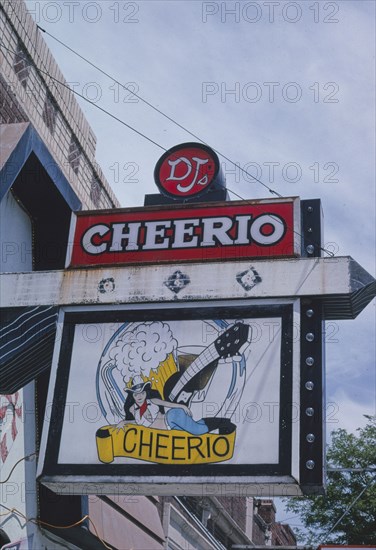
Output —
(218, 231)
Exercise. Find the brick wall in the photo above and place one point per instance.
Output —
(266, 531)
(237, 508)
(266, 510)
(10, 110)
(31, 90)
(282, 535)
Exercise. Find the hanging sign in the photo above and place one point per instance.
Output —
(246, 229)
(174, 397)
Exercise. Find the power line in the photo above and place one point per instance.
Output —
(160, 112)
(28, 457)
(42, 523)
(348, 509)
(367, 469)
(95, 105)
(330, 253)
(272, 191)
(32, 62)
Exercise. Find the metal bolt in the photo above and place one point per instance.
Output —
(310, 411)
(310, 337)
(309, 385)
(309, 230)
(310, 313)
(310, 361)
(310, 464)
(310, 208)
(310, 249)
(310, 438)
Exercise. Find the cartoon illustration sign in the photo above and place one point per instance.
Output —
(185, 392)
(156, 400)
(163, 386)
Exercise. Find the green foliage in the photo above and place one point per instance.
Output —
(319, 514)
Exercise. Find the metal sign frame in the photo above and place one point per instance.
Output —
(287, 477)
(201, 232)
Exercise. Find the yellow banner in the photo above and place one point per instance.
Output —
(163, 446)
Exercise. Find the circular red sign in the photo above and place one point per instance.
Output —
(186, 170)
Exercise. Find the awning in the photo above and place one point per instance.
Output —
(27, 337)
(17, 143)
(27, 333)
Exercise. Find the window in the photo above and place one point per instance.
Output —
(95, 190)
(74, 154)
(21, 65)
(49, 112)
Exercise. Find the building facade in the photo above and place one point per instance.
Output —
(48, 170)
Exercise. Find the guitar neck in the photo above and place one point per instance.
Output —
(209, 355)
(227, 344)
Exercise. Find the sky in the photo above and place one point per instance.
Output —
(284, 89)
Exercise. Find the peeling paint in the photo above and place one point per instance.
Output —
(345, 288)
(177, 281)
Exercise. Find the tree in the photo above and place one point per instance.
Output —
(354, 488)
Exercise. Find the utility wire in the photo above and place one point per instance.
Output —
(348, 509)
(42, 523)
(32, 62)
(272, 191)
(160, 112)
(65, 85)
(330, 253)
(28, 457)
(97, 106)
(367, 469)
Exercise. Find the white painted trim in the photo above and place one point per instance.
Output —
(297, 226)
(72, 230)
(260, 486)
(208, 281)
(189, 305)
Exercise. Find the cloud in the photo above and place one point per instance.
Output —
(170, 52)
(344, 412)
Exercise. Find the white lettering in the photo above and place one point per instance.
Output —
(119, 235)
(243, 222)
(87, 239)
(188, 233)
(267, 219)
(199, 162)
(174, 163)
(184, 237)
(155, 233)
(216, 228)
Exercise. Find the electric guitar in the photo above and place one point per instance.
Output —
(232, 342)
